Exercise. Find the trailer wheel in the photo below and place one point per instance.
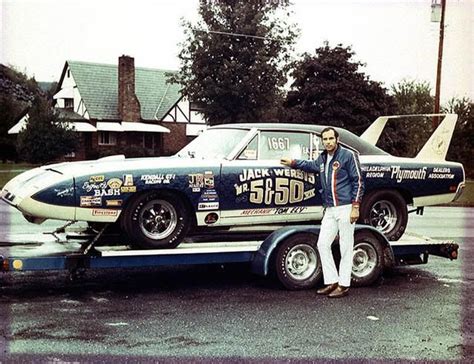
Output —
(367, 259)
(297, 262)
(156, 220)
(387, 212)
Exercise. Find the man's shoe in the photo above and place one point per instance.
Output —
(328, 289)
(340, 291)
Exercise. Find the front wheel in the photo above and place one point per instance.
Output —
(297, 262)
(367, 259)
(386, 211)
(156, 220)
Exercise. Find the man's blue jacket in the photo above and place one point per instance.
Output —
(342, 183)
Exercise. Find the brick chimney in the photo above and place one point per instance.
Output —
(128, 104)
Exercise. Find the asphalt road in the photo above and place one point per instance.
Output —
(214, 313)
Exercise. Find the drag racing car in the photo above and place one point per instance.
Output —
(230, 176)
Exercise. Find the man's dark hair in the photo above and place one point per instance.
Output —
(336, 134)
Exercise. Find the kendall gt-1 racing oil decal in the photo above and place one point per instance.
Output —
(156, 179)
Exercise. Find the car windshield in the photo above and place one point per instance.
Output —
(213, 144)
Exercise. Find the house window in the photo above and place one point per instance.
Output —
(107, 138)
(149, 141)
(69, 103)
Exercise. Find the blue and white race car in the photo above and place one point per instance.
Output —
(230, 176)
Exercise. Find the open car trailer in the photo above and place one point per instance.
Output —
(289, 252)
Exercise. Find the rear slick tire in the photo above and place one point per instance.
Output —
(386, 211)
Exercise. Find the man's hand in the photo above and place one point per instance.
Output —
(354, 214)
(286, 161)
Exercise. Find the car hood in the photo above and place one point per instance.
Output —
(119, 163)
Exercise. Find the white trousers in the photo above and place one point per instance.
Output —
(337, 219)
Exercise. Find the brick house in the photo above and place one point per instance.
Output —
(116, 109)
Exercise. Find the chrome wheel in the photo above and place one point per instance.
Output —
(364, 260)
(383, 216)
(301, 262)
(158, 219)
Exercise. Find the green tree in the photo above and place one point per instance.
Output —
(46, 137)
(462, 144)
(412, 97)
(11, 110)
(329, 88)
(233, 59)
(16, 94)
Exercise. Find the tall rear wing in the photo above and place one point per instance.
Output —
(435, 149)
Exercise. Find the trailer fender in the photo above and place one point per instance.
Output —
(262, 261)
(389, 256)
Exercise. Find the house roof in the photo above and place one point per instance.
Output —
(98, 86)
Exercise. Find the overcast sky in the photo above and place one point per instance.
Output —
(395, 38)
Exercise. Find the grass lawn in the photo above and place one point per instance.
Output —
(10, 170)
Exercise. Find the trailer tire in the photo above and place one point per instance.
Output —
(297, 262)
(386, 211)
(156, 220)
(367, 259)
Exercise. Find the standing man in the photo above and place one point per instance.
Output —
(342, 187)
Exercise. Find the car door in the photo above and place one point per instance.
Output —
(256, 189)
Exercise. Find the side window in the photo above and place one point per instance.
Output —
(250, 151)
(277, 144)
(316, 146)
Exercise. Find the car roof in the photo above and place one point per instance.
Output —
(345, 136)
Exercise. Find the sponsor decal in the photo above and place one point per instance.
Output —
(154, 179)
(438, 145)
(104, 212)
(274, 211)
(128, 179)
(128, 186)
(114, 183)
(249, 154)
(257, 212)
(441, 173)
(336, 165)
(208, 206)
(209, 196)
(278, 186)
(375, 171)
(67, 192)
(290, 210)
(128, 189)
(88, 201)
(208, 179)
(201, 180)
(97, 179)
(92, 186)
(108, 192)
(211, 218)
(403, 174)
(196, 181)
(115, 203)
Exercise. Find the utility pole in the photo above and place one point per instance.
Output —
(440, 61)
